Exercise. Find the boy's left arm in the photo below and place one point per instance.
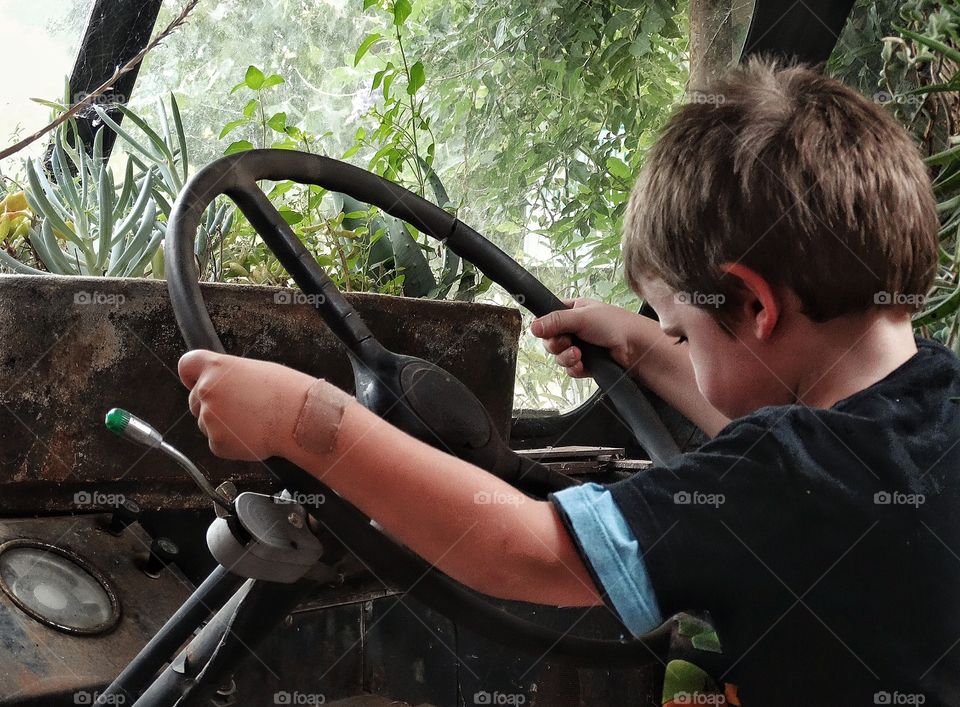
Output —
(471, 525)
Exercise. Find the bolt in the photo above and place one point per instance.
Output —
(125, 515)
(162, 552)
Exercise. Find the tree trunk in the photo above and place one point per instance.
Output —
(712, 31)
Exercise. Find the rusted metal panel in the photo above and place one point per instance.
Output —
(38, 662)
(75, 347)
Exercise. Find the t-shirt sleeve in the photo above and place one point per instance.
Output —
(711, 524)
(611, 552)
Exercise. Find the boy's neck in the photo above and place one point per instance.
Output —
(853, 353)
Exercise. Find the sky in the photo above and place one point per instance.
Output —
(40, 39)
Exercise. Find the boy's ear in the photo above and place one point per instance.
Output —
(759, 307)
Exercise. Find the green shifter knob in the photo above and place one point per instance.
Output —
(131, 427)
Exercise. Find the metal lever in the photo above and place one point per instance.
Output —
(131, 427)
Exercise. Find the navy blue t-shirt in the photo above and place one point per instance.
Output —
(825, 543)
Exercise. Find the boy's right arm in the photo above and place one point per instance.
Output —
(639, 345)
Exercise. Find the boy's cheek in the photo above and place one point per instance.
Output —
(740, 386)
(727, 387)
(713, 389)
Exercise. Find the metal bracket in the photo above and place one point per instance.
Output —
(279, 546)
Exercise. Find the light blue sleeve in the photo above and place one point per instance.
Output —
(613, 552)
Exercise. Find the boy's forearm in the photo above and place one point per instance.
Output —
(665, 368)
(473, 526)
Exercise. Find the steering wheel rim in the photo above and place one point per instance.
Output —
(236, 176)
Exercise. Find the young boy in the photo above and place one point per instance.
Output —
(783, 232)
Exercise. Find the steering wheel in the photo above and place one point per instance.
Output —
(413, 394)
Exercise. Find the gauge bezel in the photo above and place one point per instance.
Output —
(83, 564)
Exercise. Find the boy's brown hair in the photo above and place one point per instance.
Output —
(794, 175)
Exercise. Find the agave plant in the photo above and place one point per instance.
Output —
(89, 225)
(166, 154)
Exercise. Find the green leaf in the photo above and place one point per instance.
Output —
(181, 136)
(501, 34)
(365, 46)
(254, 78)
(401, 11)
(278, 122)
(707, 641)
(59, 107)
(231, 126)
(271, 81)
(290, 216)
(418, 278)
(281, 188)
(618, 168)
(652, 22)
(387, 83)
(367, 4)
(640, 46)
(251, 107)
(417, 78)
(239, 146)
(945, 157)
(682, 676)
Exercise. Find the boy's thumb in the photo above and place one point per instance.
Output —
(192, 364)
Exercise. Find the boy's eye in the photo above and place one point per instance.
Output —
(681, 340)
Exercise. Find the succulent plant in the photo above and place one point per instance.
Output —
(89, 225)
(166, 154)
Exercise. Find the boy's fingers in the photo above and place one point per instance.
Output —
(569, 358)
(192, 365)
(557, 344)
(577, 371)
(194, 402)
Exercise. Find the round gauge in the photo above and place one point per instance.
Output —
(57, 588)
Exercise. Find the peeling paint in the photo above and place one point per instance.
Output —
(68, 359)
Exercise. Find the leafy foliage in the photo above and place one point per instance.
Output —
(528, 121)
(920, 81)
(532, 117)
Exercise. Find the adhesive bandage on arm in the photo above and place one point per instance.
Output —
(319, 421)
